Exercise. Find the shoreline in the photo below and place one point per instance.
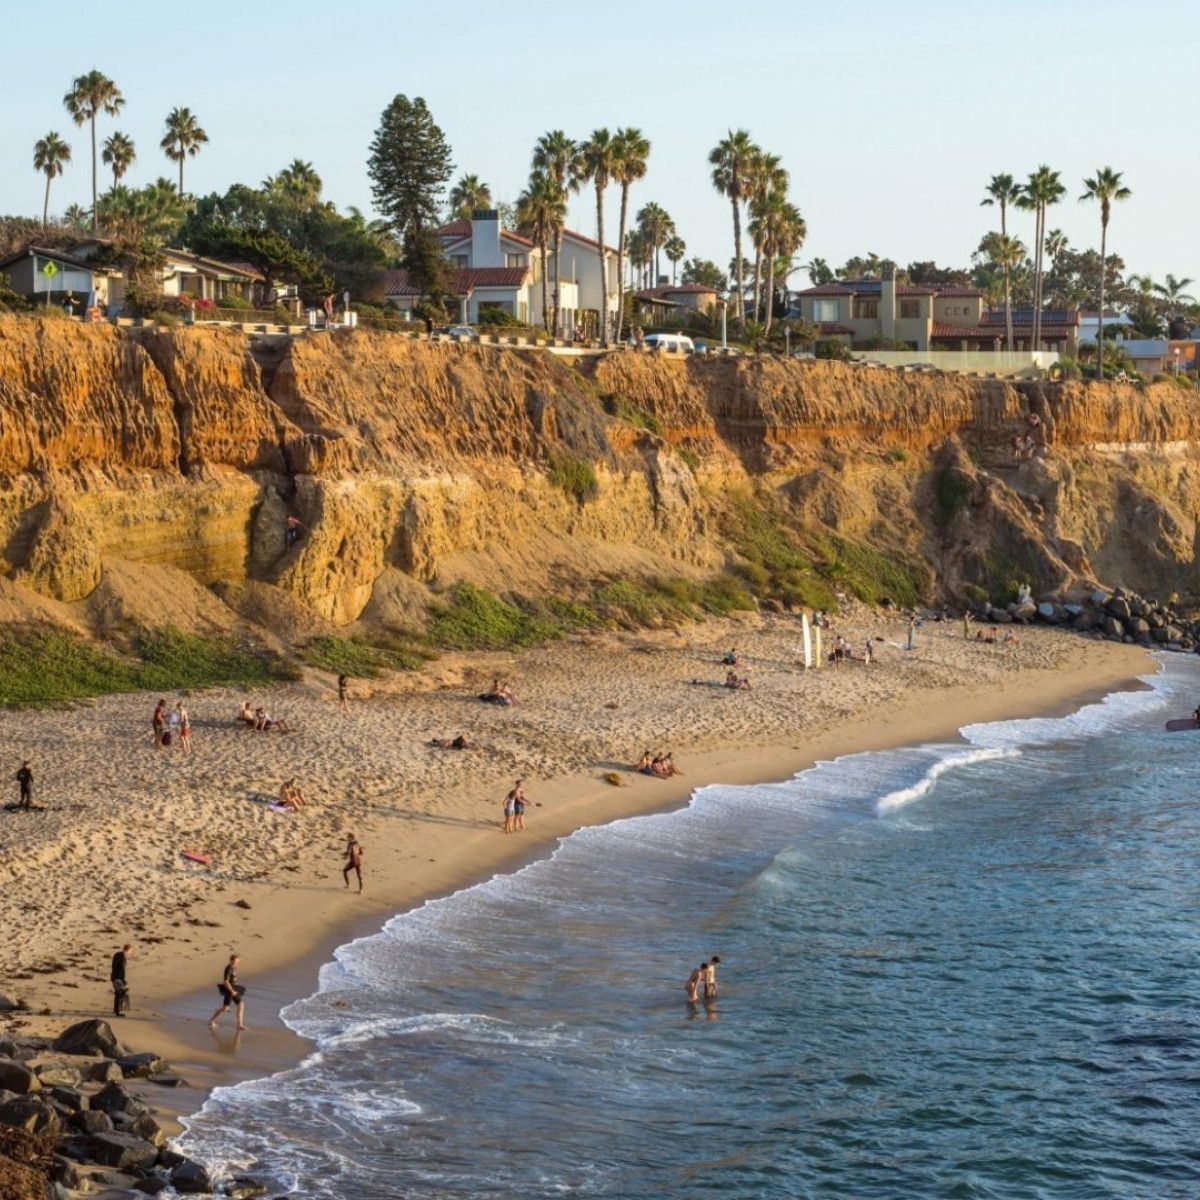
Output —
(180, 1033)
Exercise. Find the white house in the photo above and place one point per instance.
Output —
(501, 270)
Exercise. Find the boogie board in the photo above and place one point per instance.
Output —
(195, 856)
(1182, 724)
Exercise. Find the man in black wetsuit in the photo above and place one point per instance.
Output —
(119, 985)
(25, 782)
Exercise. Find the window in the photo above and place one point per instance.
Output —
(866, 310)
(516, 260)
(910, 310)
(825, 310)
(459, 260)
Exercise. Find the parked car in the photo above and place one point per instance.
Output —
(669, 341)
(466, 332)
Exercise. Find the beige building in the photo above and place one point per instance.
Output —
(927, 316)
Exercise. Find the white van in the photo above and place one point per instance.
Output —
(669, 341)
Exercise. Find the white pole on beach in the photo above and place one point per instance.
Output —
(806, 630)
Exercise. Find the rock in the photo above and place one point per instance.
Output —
(123, 1150)
(241, 904)
(90, 1121)
(190, 1178)
(67, 1097)
(60, 1073)
(8, 1004)
(1138, 607)
(56, 1191)
(64, 1171)
(89, 1038)
(167, 1081)
(245, 1187)
(1174, 633)
(1119, 608)
(104, 1071)
(1046, 610)
(170, 1159)
(770, 604)
(136, 1066)
(17, 1077)
(1098, 598)
(1159, 635)
(113, 1098)
(1073, 610)
(1155, 620)
(1000, 616)
(1112, 627)
(152, 1185)
(1136, 626)
(149, 1130)
(1023, 612)
(117, 1179)
(30, 1113)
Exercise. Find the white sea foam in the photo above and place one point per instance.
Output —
(924, 785)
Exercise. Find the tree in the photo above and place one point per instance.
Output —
(1104, 187)
(541, 212)
(766, 176)
(656, 227)
(149, 216)
(783, 232)
(1003, 190)
(76, 218)
(730, 160)
(91, 95)
(705, 272)
(275, 258)
(182, 139)
(469, 194)
(298, 180)
(1041, 190)
(819, 272)
(632, 153)
(641, 256)
(1174, 292)
(674, 248)
(597, 156)
(50, 156)
(557, 157)
(409, 167)
(119, 154)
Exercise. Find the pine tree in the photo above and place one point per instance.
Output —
(409, 166)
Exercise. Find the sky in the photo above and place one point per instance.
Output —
(890, 116)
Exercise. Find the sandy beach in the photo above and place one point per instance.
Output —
(102, 863)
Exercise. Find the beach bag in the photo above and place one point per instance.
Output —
(166, 739)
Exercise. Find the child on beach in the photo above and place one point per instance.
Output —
(510, 811)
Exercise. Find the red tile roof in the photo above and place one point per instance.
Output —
(467, 279)
(460, 230)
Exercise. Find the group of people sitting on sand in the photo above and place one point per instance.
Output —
(260, 720)
(736, 682)
(990, 639)
(290, 795)
(499, 693)
(661, 766)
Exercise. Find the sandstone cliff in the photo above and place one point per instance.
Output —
(411, 466)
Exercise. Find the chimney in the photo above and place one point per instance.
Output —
(887, 300)
(485, 238)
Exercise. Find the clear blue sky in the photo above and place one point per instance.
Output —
(891, 116)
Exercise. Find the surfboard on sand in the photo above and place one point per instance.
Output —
(806, 629)
(195, 856)
(1182, 724)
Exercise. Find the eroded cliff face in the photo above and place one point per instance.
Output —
(411, 465)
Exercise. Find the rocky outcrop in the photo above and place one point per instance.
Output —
(411, 465)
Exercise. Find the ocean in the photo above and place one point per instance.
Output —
(959, 970)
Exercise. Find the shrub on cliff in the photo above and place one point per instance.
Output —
(574, 475)
(475, 619)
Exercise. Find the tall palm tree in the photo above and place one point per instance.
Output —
(1174, 292)
(1042, 189)
(299, 179)
(656, 225)
(633, 152)
(91, 95)
(468, 194)
(183, 138)
(119, 154)
(1003, 190)
(637, 249)
(50, 155)
(767, 175)
(1104, 187)
(783, 233)
(730, 160)
(674, 248)
(596, 159)
(556, 156)
(541, 212)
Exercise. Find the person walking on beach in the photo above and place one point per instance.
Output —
(510, 811)
(966, 625)
(24, 779)
(710, 978)
(354, 853)
(519, 802)
(692, 987)
(343, 691)
(185, 728)
(120, 986)
(232, 995)
(159, 722)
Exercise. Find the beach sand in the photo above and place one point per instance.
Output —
(101, 865)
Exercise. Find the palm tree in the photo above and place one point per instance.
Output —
(597, 156)
(119, 154)
(557, 157)
(183, 138)
(468, 194)
(76, 217)
(819, 272)
(153, 213)
(766, 176)
(50, 155)
(1174, 293)
(1003, 190)
(783, 232)
(640, 254)
(656, 225)
(1043, 188)
(541, 212)
(299, 179)
(633, 151)
(674, 248)
(1104, 187)
(91, 95)
(730, 160)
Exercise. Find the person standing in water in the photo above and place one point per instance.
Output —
(232, 995)
(354, 855)
(710, 977)
(692, 987)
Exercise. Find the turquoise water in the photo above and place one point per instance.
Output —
(962, 970)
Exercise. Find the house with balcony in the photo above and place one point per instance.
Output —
(927, 316)
(501, 270)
